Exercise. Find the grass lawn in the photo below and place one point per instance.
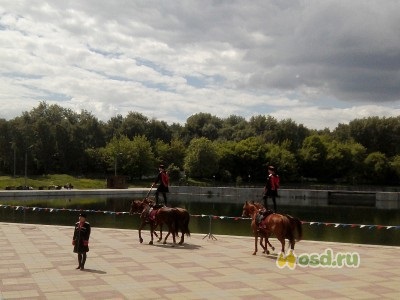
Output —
(51, 180)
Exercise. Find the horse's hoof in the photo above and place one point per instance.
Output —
(267, 252)
(254, 253)
(273, 248)
(164, 243)
(151, 243)
(173, 245)
(141, 240)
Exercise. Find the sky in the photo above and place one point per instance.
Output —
(319, 63)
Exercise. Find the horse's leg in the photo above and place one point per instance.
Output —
(160, 237)
(255, 243)
(173, 236)
(140, 231)
(282, 240)
(262, 244)
(272, 247)
(166, 237)
(255, 231)
(152, 228)
(265, 246)
(292, 242)
(182, 238)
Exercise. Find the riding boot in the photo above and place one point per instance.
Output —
(83, 260)
(79, 261)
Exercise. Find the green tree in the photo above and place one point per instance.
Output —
(170, 153)
(201, 159)
(377, 167)
(284, 160)
(227, 160)
(395, 165)
(313, 156)
(203, 125)
(250, 157)
(134, 124)
(131, 157)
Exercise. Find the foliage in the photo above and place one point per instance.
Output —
(201, 159)
(50, 139)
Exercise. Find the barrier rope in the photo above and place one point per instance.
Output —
(335, 225)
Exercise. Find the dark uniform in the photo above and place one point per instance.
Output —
(271, 187)
(81, 240)
(163, 180)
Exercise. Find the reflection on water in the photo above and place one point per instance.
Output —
(105, 212)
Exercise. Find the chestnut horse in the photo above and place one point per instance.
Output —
(281, 226)
(176, 219)
(262, 209)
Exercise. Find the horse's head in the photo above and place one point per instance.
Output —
(148, 201)
(136, 207)
(248, 209)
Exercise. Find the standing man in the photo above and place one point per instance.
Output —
(80, 241)
(271, 187)
(163, 180)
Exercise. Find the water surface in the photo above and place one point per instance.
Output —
(226, 220)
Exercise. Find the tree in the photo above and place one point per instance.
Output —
(203, 125)
(377, 167)
(134, 124)
(201, 159)
(250, 157)
(158, 130)
(132, 157)
(170, 153)
(227, 160)
(313, 156)
(284, 160)
(395, 165)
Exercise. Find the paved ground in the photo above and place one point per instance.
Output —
(37, 262)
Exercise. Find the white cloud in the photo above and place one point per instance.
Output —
(319, 63)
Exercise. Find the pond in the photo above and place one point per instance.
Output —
(333, 223)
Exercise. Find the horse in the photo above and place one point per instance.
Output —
(182, 218)
(261, 208)
(176, 219)
(281, 226)
(142, 207)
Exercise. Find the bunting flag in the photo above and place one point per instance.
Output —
(311, 223)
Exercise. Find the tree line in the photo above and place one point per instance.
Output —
(51, 139)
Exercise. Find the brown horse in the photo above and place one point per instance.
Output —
(281, 226)
(182, 218)
(176, 219)
(143, 208)
(262, 209)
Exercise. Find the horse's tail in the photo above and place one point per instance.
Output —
(182, 222)
(185, 225)
(296, 226)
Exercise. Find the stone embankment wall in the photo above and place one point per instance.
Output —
(295, 197)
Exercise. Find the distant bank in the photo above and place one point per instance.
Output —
(295, 197)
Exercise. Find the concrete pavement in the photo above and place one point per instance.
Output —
(37, 262)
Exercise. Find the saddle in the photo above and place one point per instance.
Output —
(152, 214)
(262, 214)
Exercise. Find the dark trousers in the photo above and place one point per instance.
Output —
(82, 259)
(164, 196)
(273, 201)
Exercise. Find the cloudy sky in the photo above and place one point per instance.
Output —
(319, 63)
